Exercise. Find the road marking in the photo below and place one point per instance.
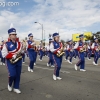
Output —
(49, 69)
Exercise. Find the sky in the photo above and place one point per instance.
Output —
(64, 16)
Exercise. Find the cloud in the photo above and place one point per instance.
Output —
(66, 16)
(2, 0)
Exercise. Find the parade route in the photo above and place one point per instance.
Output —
(39, 85)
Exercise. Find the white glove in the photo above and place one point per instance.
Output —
(81, 48)
(58, 51)
(33, 43)
(14, 56)
(97, 49)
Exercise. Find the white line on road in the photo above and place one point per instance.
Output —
(48, 69)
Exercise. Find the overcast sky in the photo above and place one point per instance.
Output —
(64, 16)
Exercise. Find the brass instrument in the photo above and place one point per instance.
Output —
(19, 54)
(97, 49)
(61, 52)
(35, 48)
(18, 57)
(72, 49)
(43, 49)
(83, 48)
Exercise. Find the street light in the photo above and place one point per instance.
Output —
(44, 37)
(42, 28)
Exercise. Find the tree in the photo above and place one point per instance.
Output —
(98, 35)
(98, 32)
(88, 37)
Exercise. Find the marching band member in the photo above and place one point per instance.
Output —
(2, 58)
(55, 48)
(46, 51)
(10, 51)
(70, 49)
(66, 51)
(27, 53)
(1, 54)
(23, 57)
(89, 51)
(24, 51)
(80, 47)
(31, 52)
(75, 52)
(95, 47)
(36, 52)
(99, 50)
(86, 50)
(50, 55)
(41, 51)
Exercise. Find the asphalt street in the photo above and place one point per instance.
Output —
(39, 85)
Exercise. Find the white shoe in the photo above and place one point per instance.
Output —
(75, 67)
(54, 77)
(59, 78)
(3, 63)
(0, 63)
(34, 64)
(23, 62)
(47, 65)
(94, 63)
(83, 70)
(17, 91)
(29, 69)
(88, 59)
(40, 60)
(69, 62)
(52, 66)
(9, 88)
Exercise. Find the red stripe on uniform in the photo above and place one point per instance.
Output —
(10, 54)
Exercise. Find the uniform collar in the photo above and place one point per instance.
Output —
(56, 42)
